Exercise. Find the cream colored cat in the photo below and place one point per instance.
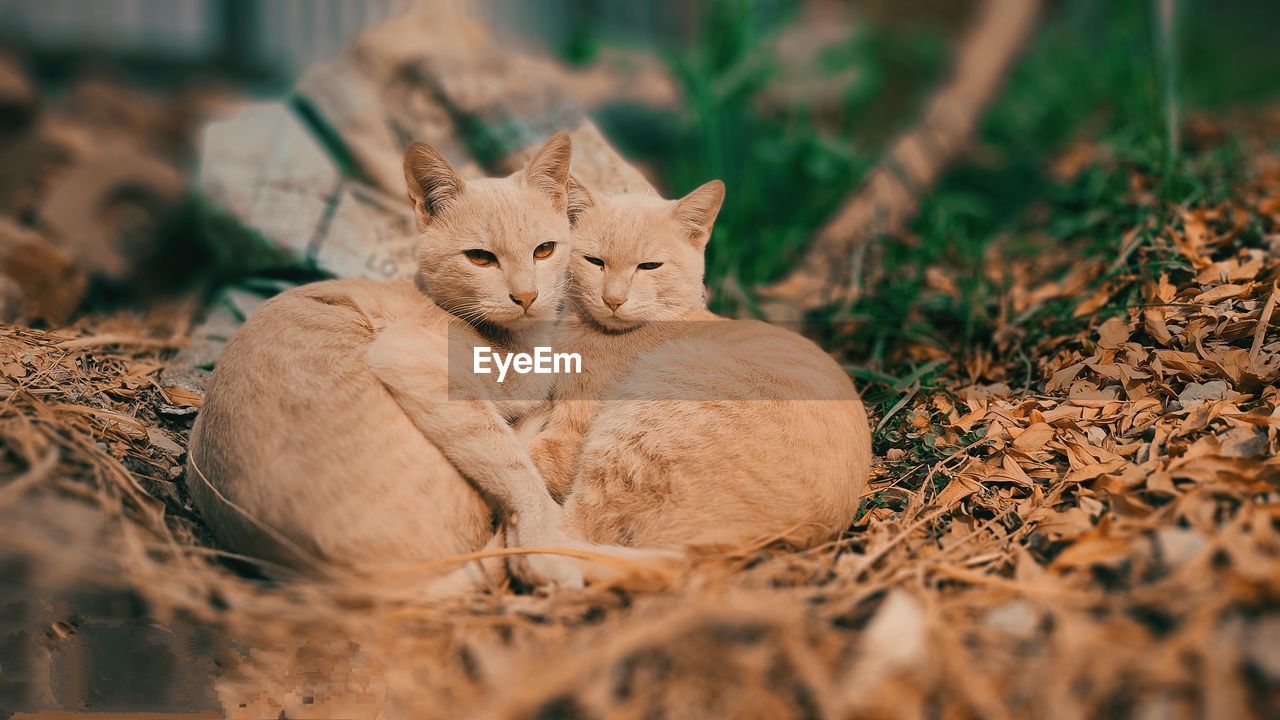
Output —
(772, 440)
(328, 441)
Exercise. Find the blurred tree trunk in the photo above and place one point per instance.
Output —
(830, 272)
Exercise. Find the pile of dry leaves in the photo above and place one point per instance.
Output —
(1102, 538)
(92, 180)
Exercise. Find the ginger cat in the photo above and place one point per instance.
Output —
(772, 440)
(328, 441)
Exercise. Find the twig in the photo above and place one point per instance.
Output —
(1264, 320)
(117, 339)
(915, 388)
(35, 475)
(890, 195)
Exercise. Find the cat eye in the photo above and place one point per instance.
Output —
(594, 260)
(483, 258)
(544, 250)
(649, 265)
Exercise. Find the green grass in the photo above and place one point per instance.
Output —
(1093, 71)
(785, 176)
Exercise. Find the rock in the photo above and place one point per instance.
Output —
(369, 235)
(183, 378)
(316, 183)
(284, 203)
(160, 440)
(264, 170)
(348, 108)
(599, 166)
(499, 101)
(289, 206)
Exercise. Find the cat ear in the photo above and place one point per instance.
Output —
(548, 171)
(432, 181)
(697, 211)
(579, 201)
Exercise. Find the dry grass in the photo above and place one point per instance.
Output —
(1102, 538)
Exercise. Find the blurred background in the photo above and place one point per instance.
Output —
(791, 102)
(992, 209)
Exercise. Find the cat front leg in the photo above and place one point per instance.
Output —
(410, 358)
(555, 448)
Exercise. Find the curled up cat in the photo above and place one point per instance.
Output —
(329, 441)
(689, 429)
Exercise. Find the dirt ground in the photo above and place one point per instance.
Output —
(1092, 529)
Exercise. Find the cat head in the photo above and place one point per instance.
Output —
(639, 258)
(492, 250)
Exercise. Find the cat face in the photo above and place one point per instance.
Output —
(639, 259)
(493, 250)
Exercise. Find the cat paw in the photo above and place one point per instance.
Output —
(623, 564)
(543, 570)
(552, 572)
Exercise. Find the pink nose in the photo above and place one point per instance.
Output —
(524, 299)
(614, 304)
